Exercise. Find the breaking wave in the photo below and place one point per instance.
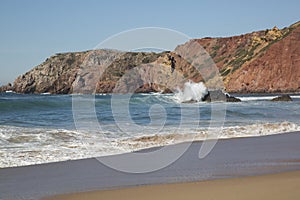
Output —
(253, 130)
(191, 92)
(263, 98)
(27, 146)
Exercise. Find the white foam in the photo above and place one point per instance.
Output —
(253, 130)
(28, 146)
(295, 96)
(260, 98)
(9, 91)
(191, 92)
(256, 98)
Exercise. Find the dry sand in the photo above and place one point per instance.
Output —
(267, 187)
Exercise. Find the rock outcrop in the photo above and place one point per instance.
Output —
(217, 95)
(56, 75)
(6, 88)
(284, 97)
(261, 62)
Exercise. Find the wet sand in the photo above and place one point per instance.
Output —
(267, 187)
(231, 158)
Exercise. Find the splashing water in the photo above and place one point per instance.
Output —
(191, 92)
(40, 128)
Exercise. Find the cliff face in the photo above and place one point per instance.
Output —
(55, 75)
(106, 71)
(275, 70)
(263, 61)
(133, 72)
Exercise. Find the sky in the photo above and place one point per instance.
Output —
(32, 30)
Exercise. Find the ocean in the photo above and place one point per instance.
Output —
(46, 128)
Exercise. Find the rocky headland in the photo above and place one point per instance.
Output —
(265, 61)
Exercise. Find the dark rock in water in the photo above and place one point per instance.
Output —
(190, 101)
(232, 99)
(5, 88)
(284, 97)
(218, 95)
(214, 95)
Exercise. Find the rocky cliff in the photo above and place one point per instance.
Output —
(106, 71)
(55, 75)
(263, 61)
(275, 69)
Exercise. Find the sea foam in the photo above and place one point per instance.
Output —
(36, 146)
(191, 92)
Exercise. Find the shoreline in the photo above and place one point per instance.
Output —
(150, 148)
(268, 187)
(231, 158)
(146, 142)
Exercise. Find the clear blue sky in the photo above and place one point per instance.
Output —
(32, 30)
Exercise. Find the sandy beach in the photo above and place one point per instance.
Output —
(268, 187)
(217, 175)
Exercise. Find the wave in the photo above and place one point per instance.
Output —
(191, 92)
(33, 105)
(36, 102)
(26, 146)
(253, 130)
(21, 146)
(9, 92)
(295, 96)
(263, 98)
(256, 98)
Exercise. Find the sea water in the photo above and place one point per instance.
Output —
(48, 128)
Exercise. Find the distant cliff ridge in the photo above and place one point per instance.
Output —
(264, 61)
